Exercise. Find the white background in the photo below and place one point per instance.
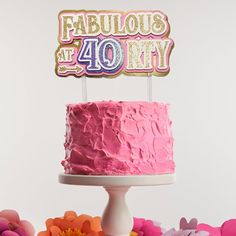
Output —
(200, 88)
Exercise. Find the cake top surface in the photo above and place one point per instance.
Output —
(111, 102)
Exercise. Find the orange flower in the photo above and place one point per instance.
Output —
(73, 225)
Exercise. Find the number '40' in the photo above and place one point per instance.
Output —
(104, 55)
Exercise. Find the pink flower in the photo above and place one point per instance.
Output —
(186, 229)
(213, 231)
(146, 228)
(11, 225)
(229, 228)
(173, 232)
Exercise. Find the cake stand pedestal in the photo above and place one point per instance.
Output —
(116, 219)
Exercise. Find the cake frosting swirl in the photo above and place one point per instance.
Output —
(118, 138)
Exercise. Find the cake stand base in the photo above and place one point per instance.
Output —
(116, 219)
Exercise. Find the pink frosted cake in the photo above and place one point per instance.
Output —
(118, 138)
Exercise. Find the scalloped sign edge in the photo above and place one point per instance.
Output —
(110, 43)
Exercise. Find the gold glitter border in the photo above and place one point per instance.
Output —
(144, 74)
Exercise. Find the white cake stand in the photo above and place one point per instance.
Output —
(116, 219)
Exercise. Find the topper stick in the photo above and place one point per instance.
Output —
(149, 87)
(84, 89)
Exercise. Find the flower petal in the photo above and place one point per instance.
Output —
(140, 233)
(96, 224)
(229, 228)
(78, 222)
(70, 215)
(84, 217)
(138, 224)
(213, 231)
(55, 231)
(184, 224)
(150, 229)
(10, 215)
(3, 224)
(86, 228)
(9, 233)
(101, 233)
(49, 223)
(28, 227)
(20, 231)
(62, 223)
(44, 233)
(92, 234)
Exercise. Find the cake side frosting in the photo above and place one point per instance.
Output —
(118, 138)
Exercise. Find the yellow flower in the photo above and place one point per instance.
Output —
(71, 232)
(133, 233)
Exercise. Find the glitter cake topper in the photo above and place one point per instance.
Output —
(108, 43)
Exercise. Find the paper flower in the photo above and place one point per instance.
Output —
(72, 224)
(186, 229)
(144, 227)
(185, 225)
(213, 231)
(11, 225)
(173, 232)
(228, 228)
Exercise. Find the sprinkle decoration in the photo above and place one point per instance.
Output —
(108, 43)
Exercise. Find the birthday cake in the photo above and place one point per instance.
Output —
(118, 138)
(108, 137)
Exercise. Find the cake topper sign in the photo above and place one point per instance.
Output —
(108, 43)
